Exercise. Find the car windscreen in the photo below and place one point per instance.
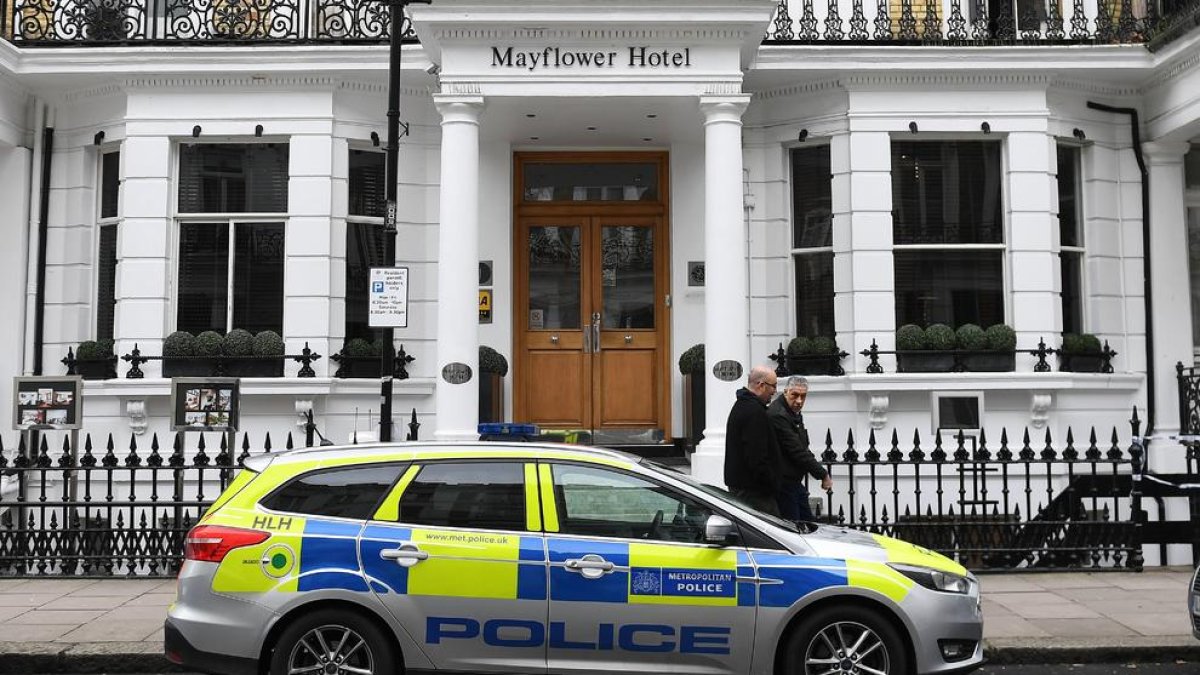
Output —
(714, 491)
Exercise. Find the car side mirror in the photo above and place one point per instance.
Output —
(720, 531)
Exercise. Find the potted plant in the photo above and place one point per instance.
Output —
(691, 366)
(358, 358)
(179, 350)
(1081, 353)
(492, 369)
(239, 345)
(830, 364)
(268, 343)
(94, 360)
(925, 350)
(798, 348)
(1001, 340)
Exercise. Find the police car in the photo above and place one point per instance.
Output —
(529, 558)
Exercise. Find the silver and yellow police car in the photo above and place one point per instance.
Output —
(529, 558)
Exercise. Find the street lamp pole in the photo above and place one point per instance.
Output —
(392, 167)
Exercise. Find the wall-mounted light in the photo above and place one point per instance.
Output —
(196, 131)
(375, 138)
(987, 128)
(1078, 133)
(433, 69)
(802, 136)
(912, 126)
(258, 131)
(98, 138)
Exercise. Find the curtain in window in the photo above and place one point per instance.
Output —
(203, 277)
(106, 283)
(812, 237)
(364, 250)
(258, 277)
(368, 183)
(233, 178)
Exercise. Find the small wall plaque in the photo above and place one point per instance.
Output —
(727, 370)
(695, 271)
(456, 373)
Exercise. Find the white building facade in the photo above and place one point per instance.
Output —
(639, 178)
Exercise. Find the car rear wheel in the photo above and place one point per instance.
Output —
(845, 641)
(333, 642)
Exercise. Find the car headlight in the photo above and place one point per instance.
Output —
(935, 580)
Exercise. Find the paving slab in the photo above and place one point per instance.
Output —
(131, 630)
(37, 617)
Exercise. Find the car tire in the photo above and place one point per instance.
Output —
(809, 652)
(338, 633)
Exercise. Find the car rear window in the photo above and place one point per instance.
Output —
(349, 492)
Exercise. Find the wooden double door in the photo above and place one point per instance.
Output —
(592, 318)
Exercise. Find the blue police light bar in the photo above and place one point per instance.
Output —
(507, 430)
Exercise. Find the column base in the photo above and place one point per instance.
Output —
(708, 462)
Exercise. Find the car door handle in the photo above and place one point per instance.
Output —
(406, 555)
(590, 566)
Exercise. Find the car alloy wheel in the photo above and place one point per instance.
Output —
(846, 648)
(333, 642)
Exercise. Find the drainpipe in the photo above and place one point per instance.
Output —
(1147, 290)
(39, 316)
(33, 241)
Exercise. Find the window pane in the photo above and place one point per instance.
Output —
(203, 276)
(364, 250)
(627, 276)
(947, 192)
(1194, 269)
(591, 182)
(1068, 196)
(554, 277)
(1191, 167)
(486, 496)
(600, 503)
(367, 183)
(340, 493)
(812, 197)
(110, 183)
(232, 178)
(958, 412)
(950, 287)
(1072, 291)
(814, 295)
(106, 283)
(258, 277)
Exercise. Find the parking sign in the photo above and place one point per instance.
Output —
(388, 297)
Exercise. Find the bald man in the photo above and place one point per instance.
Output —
(752, 460)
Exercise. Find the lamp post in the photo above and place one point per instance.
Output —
(389, 224)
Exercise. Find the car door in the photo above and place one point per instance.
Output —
(632, 585)
(455, 553)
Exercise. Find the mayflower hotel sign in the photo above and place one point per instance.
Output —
(559, 57)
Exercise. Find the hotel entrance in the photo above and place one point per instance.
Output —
(591, 280)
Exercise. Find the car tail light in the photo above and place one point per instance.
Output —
(210, 543)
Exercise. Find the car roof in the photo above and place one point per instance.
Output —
(415, 451)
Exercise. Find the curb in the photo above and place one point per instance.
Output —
(66, 662)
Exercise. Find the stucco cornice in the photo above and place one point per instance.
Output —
(1174, 66)
(1093, 87)
(802, 88)
(585, 34)
(974, 79)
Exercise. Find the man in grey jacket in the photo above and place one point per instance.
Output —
(788, 424)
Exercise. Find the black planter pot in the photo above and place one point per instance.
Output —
(98, 369)
(1081, 363)
(491, 397)
(187, 367)
(932, 362)
(693, 407)
(358, 367)
(815, 364)
(990, 363)
(254, 367)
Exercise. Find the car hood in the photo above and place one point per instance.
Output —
(845, 543)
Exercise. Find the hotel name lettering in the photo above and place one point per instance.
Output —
(558, 57)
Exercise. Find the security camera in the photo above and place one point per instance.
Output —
(433, 69)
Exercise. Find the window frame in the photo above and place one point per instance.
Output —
(230, 219)
(1080, 248)
(796, 252)
(102, 221)
(1005, 221)
(935, 398)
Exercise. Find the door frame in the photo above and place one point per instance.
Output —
(659, 209)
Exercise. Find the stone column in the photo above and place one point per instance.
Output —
(726, 323)
(457, 405)
(308, 302)
(1172, 310)
(1031, 185)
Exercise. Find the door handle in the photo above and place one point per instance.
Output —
(628, 339)
(595, 332)
(554, 339)
(590, 566)
(406, 555)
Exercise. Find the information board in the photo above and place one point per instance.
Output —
(205, 403)
(47, 402)
(388, 298)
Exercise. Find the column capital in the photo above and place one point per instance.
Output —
(459, 107)
(1160, 152)
(724, 107)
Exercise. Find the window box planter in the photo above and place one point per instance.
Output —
(187, 366)
(358, 366)
(815, 364)
(924, 362)
(491, 397)
(97, 369)
(693, 407)
(253, 366)
(1000, 362)
(1082, 363)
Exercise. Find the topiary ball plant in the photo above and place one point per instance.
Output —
(358, 348)
(691, 361)
(268, 343)
(824, 345)
(179, 343)
(939, 338)
(1082, 343)
(208, 343)
(799, 346)
(104, 348)
(492, 361)
(910, 337)
(238, 342)
(1001, 338)
(970, 337)
(87, 350)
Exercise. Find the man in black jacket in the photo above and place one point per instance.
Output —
(798, 459)
(752, 460)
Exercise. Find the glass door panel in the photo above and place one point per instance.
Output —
(627, 277)
(555, 255)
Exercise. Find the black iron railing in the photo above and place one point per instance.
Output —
(201, 366)
(964, 360)
(849, 22)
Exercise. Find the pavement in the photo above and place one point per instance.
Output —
(115, 625)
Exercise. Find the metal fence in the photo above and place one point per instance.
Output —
(123, 511)
(882, 22)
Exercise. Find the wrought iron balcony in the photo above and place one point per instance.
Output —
(826, 22)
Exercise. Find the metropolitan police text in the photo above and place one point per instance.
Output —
(556, 57)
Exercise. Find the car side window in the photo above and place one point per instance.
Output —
(478, 495)
(603, 503)
(348, 492)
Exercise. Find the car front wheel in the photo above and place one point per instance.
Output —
(845, 641)
(330, 642)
